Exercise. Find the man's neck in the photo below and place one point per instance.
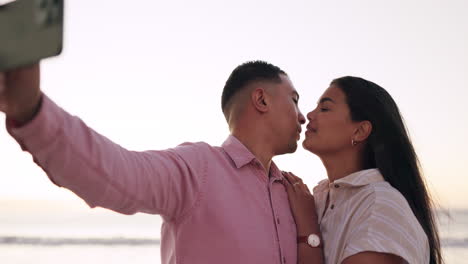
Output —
(258, 147)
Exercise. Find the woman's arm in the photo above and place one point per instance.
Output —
(303, 208)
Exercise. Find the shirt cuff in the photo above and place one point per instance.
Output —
(41, 130)
(11, 123)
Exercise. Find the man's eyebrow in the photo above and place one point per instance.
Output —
(325, 99)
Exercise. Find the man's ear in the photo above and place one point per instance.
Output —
(260, 99)
(363, 131)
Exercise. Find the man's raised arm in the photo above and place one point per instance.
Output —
(101, 172)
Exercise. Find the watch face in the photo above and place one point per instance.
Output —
(313, 240)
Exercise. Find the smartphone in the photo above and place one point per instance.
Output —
(30, 30)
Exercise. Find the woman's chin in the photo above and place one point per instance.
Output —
(306, 144)
(311, 146)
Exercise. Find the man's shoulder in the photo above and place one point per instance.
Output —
(196, 145)
(198, 149)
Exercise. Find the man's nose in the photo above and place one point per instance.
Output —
(302, 119)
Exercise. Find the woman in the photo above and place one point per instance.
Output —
(374, 207)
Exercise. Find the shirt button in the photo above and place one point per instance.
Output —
(332, 206)
(277, 220)
(284, 260)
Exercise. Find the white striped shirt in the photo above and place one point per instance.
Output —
(365, 213)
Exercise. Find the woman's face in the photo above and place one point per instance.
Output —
(330, 129)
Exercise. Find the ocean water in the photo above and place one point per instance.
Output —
(453, 226)
(52, 234)
(55, 235)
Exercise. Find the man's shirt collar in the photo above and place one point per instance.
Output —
(242, 156)
(239, 154)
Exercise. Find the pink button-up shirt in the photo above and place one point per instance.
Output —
(218, 204)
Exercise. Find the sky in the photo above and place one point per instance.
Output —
(149, 75)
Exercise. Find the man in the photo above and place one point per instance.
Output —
(219, 204)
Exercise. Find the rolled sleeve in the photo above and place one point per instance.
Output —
(386, 229)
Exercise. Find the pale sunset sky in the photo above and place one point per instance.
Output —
(149, 75)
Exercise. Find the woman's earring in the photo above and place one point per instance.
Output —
(353, 143)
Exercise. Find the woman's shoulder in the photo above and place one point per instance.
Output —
(369, 186)
(384, 201)
(385, 195)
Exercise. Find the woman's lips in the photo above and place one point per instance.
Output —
(311, 129)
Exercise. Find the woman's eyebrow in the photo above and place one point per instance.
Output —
(325, 99)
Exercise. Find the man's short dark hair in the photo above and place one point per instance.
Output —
(247, 73)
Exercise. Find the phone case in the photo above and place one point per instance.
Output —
(30, 30)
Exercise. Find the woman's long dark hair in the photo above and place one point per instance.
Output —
(389, 149)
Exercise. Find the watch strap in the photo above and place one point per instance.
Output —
(305, 240)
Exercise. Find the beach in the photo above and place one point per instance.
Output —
(53, 236)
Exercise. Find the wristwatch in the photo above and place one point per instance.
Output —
(312, 240)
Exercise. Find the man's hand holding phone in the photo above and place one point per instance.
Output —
(30, 30)
(20, 94)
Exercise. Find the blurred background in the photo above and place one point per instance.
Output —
(149, 75)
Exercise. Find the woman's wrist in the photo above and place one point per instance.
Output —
(308, 227)
(308, 231)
